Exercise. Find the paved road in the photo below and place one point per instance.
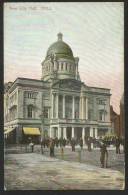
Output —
(115, 161)
(32, 171)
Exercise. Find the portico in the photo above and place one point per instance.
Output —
(72, 107)
(73, 132)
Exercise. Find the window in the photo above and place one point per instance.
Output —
(46, 112)
(100, 115)
(30, 95)
(101, 102)
(30, 109)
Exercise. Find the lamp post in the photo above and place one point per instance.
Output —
(42, 124)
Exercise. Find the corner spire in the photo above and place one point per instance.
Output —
(60, 35)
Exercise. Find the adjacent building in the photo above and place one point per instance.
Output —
(57, 105)
(122, 123)
(115, 122)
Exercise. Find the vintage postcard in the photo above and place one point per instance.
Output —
(64, 96)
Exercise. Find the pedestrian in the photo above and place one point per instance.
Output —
(89, 144)
(117, 143)
(51, 146)
(31, 146)
(56, 142)
(122, 141)
(73, 144)
(81, 143)
(64, 142)
(61, 142)
(104, 155)
(47, 140)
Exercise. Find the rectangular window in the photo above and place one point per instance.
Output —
(46, 112)
(29, 111)
(101, 102)
(100, 116)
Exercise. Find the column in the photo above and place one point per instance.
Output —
(83, 135)
(86, 108)
(63, 106)
(83, 107)
(80, 108)
(73, 107)
(50, 132)
(91, 135)
(59, 132)
(57, 104)
(72, 131)
(96, 132)
(64, 132)
(91, 132)
(52, 106)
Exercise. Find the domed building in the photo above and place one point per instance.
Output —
(58, 105)
(60, 62)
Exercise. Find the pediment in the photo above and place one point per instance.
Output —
(68, 84)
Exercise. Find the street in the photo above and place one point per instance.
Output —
(34, 171)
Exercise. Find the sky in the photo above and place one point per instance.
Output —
(94, 31)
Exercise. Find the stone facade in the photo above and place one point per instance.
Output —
(59, 104)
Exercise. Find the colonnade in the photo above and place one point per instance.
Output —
(93, 132)
(83, 106)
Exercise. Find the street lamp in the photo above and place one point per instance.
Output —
(42, 124)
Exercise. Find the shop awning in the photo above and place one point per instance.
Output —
(31, 131)
(8, 130)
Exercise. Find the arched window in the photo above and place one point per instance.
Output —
(30, 110)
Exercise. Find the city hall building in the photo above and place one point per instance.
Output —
(57, 105)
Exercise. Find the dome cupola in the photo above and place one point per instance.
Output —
(60, 49)
(59, 62)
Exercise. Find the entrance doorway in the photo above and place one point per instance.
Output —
(69, 132)
(78, 133)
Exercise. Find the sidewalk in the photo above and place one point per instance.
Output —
(37, 172)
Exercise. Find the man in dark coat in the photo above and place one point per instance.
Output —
(51, 146)
(117, 143)
(64, 142)
(56, 142)
(73, 144)
(89, 144)
(81, 143)
(42, 144)
(104, 155)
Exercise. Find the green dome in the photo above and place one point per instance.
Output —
(60, 49)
